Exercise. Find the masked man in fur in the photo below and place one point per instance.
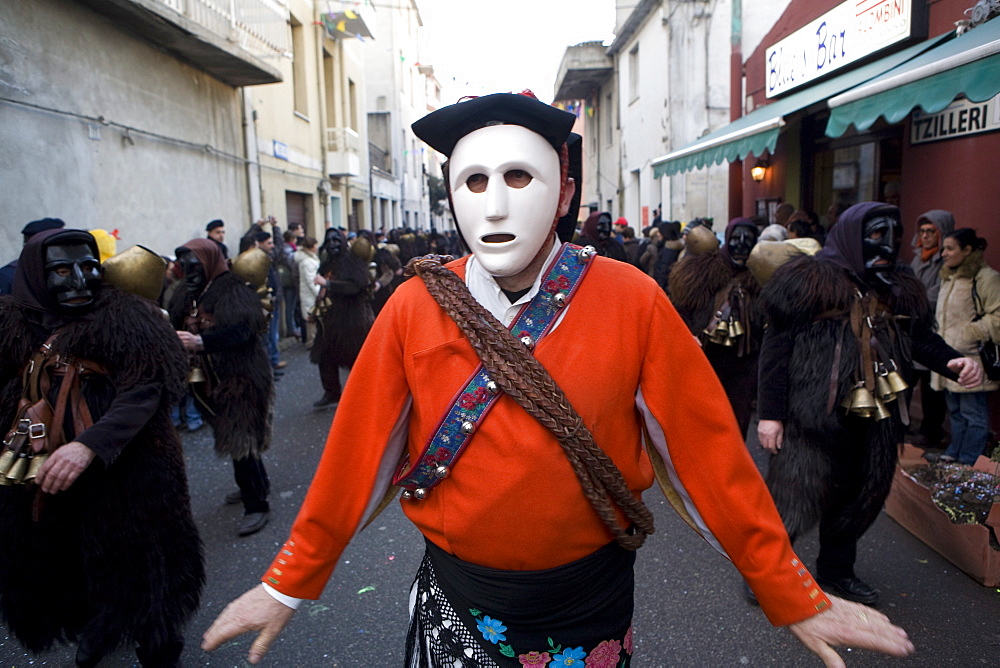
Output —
(597, 232)
(345, 313)
(220, 321)
(98, 544)
(716, 295)
(845, 327)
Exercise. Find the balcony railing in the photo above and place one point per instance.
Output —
(343, 152)
(379, 158)
(343, 139)
(236, 41)
(259, 26)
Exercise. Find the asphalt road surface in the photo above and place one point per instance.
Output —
(690, 609)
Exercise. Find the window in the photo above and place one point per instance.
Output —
(329, 88)
(352, 101)
(845, 176)
(378, 129)
(378, 141)
(633, 73)
(608, 120)
(299, 84)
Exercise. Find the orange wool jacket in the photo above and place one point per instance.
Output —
(641, 384)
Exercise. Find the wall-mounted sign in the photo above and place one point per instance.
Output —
(848, 32)
(958, 119)
(280, 149)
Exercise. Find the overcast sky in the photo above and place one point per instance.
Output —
(491, 46)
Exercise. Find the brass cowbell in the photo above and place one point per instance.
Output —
(896, 382)
(880, 412)
(862, 401)
(19, 469)
(34, 465)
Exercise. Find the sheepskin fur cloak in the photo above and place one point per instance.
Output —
(116, 558)
(241, 386)
(698, 285)
(835, 464)
(345, 324)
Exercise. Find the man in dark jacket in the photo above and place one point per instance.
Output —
(668, 253)
(216, 231)
(845, 327)
(220, 321)
(99, 545)
(30, 230)
(265, 242)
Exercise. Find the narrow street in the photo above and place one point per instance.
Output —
(690, 605)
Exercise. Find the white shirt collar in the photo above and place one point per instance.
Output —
(487, 292)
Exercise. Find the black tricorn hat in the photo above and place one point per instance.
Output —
(442, 129)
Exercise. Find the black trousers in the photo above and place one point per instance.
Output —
(152, 653)
(329, 377)
(838, 539)
(251, 478)
(167, 654)
(738, 376)
(837, 554)
(933, 407)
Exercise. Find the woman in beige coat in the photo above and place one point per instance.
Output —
(308, 262)
(962, 328)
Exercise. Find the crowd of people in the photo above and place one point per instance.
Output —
(499, 330)
(954, 422)
(800, 358)
(827, 331)
(124, 351)
(822, 330)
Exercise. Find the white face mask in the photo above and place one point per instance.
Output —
(505, 190)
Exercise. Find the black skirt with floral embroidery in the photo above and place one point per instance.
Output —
(471, 616)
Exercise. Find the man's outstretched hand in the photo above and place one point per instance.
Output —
(255, 610)
(849, 624)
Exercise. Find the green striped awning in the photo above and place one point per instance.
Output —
(758, 131)
(966, 65)
(736, 140)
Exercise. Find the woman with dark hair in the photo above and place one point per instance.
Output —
(968, 312)
(798, 226)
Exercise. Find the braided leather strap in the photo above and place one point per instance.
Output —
(521, 376)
